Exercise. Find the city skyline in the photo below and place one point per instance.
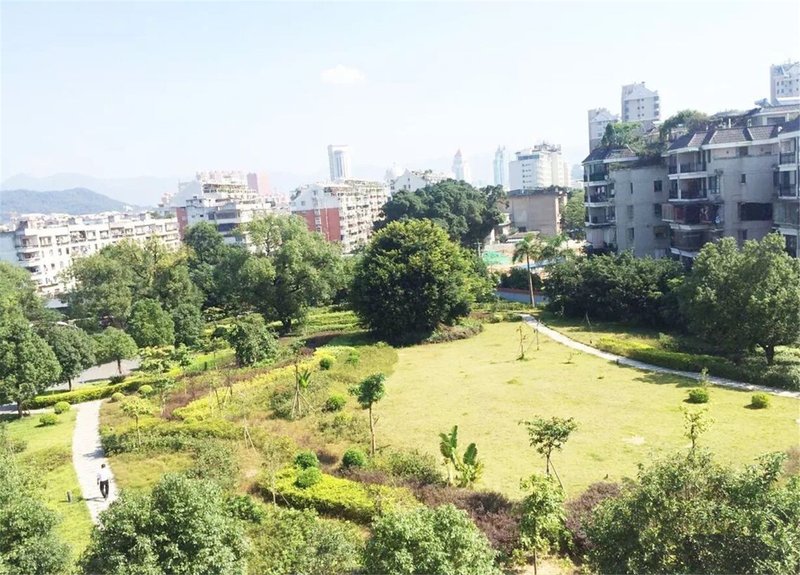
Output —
(123, 90)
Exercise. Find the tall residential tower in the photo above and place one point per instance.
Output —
(339, 162)
(461, 169)
(501, 167)
(640, 104)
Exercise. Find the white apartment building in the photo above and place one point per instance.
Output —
(343, 212)
(461, 169)
(599, 118)
(501, 167)
(786, 216)
(640, 104)
(784, 80)
(46, 245)
(413, 180)
(226, 205)
(339, 162)
(539, 167)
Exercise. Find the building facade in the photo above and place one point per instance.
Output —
(537, 210)
(413, 180)
(339, 162)
(538, 167)
(786, 213)
(599, 118)
(640, 104)
(343, 212)
(46, 245)
(785, 83)
(501, 167)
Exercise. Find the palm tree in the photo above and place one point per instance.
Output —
(533, 247)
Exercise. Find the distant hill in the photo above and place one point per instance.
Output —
(141, 190)
(75, 201)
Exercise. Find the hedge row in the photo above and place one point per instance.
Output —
(338, 497)
(779, 376)
(86, 393)
(158, 435)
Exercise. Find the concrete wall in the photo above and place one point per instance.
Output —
(537, 212)
(635, 202)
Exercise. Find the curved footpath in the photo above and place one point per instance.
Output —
(87, 456)
(621, 360)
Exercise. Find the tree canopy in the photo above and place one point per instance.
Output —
(150, 325)
(73, 348)
(410, 279)
(692, 120)
(115, 345)
(621, 134)
(467, 214)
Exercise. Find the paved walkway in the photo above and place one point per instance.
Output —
(621, 360)
(87, 455)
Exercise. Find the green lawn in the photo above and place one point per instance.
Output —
(625, 416)
(50, 450)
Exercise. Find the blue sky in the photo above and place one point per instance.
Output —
(125, 89)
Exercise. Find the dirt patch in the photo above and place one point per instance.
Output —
(635, 440)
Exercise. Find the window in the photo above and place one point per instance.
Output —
(755, 212)
(742, 235)
(631, 185)
(657, 210)
(743, 151)
(660, 232)
(743, 179)
(630, 234)
(657, 185)
(630, 212)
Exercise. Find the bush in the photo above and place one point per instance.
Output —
(61, 407)
(308, 477)
(306, 460)
(326, 363)
(117, 397)
(146, 390)
(579, 512)
(759, 401)
(782, 377)
(48, 419)
(335, 402)
(698, 395)
(115, 379)
(215, 461)
(85, 393)
(352, 357)
(354, 457)
(337, 496)
(413, 466)
(246, 508)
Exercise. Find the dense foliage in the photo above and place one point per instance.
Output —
(468, 215)
(410, 279)
(73, 348)
(115, 345)
(183, 528)
(149, 325)
(691, 515)
(252, 341)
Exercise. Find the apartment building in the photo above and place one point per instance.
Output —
(640, 104)
(599, 118)
(785, 83)
(344, 211)
(786, 213)
(46, 245)
(227, 205)
(538, 167)
(413, 180)
(537, 210)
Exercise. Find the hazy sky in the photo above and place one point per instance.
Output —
(124, 89)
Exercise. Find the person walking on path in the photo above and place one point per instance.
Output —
(103, 477)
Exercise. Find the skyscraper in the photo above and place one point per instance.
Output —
(640, 104)
(461, 169)
(339, 162)
(501, 167)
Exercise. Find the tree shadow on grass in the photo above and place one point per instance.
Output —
(666, 379)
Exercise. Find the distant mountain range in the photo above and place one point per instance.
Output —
(143, 191)
(75, 201)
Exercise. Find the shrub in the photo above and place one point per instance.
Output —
(115, 379)
(146, 390)
(215, 461)
(344, 426)
(337, 496)
(354, 457)
(335, 402)
(579, 512)
(308, 477)
(413, 466)
(48, 419)
(61, 407)
(246, 508)
(85, 393)
(698, 395)
(352, 357)
(326, 363)
(117, 397)
(782, 377)
(306, 460)
(759, 401)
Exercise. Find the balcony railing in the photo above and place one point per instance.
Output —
(598, 176)
(598, 198)
(693, 167)
(692, 241)
(786, 190)
(787, 158)
(690, 214)
(787, 214)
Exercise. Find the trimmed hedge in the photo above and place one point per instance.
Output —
(162, 435)
(338, 497)
(48, 419)
(82, 394)
(61, 407)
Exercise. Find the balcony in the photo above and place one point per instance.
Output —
(787, 215)
(600, 217)
(786, 190)
(598, 176)
(787, 158)
(692, 241)
(598, 198)
(701, 215)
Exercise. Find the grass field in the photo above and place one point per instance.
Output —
(49, 450)
(625, 416)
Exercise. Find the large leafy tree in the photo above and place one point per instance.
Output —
(73, 347)
(743, 298)
(18, 291)
(692, 120)
(188, 321)
(103, 290)
(150, 325)
(29, 542)
(206, 248)
(292, 270)
(428, 540)
(620, 134)
(115, 345)
(410, 279)
(252, 341)
(467, 214)
(183, 528)
(691, 515)
(28, 365)
(573, 216)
